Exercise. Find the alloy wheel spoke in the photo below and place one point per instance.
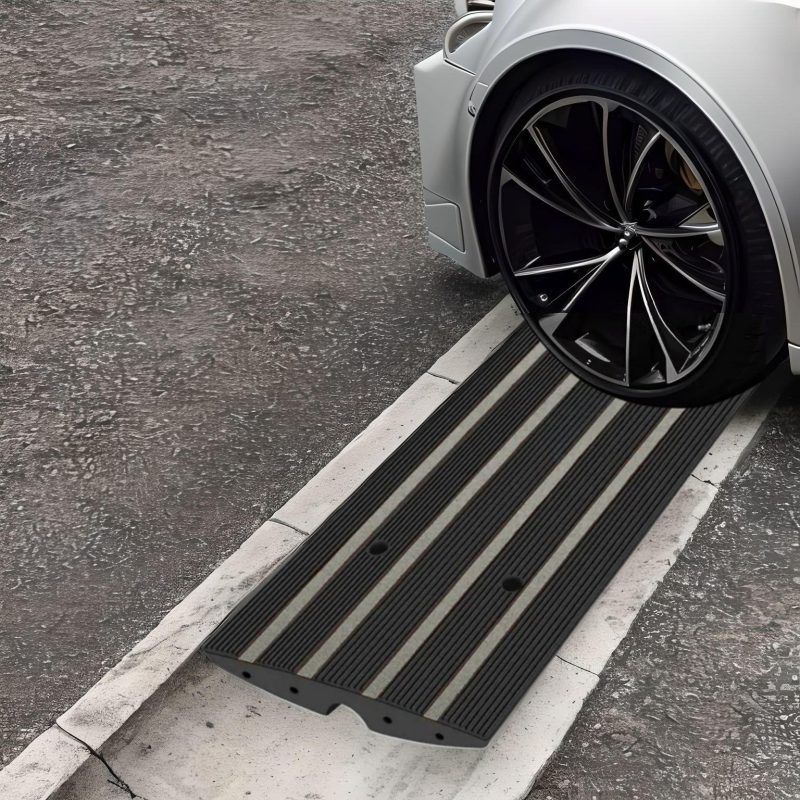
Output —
(534, 268)
(706, 206)
(508, 175)
(688, 220)
(567, 183)
(667, 339)
(681, 232)
(628, 323)
(673, 261)
(618, 205)
(637, 169)
(552, 322)
(593, 276)
(576, 290)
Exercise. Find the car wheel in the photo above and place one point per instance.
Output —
(631, 238)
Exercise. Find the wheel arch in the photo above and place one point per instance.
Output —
(511, 66)
(494, 101)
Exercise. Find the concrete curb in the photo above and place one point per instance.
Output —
(43, 767)
(531, 735)
(208, 730)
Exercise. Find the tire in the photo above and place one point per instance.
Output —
(606, 180)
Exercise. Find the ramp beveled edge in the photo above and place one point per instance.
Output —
(378, 716)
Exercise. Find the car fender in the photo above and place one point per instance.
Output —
(738, 61)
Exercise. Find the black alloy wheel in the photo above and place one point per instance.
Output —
(631, 238)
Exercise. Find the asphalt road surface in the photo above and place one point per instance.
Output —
(214, 274)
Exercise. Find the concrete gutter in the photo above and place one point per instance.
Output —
(54, 756)
(176, 725)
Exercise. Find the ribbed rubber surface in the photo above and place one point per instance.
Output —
(437, 592)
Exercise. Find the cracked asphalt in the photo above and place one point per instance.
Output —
(214, 275)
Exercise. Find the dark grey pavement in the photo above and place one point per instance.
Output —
(213, 274)
(702, 699)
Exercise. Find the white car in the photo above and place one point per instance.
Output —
(632, 169)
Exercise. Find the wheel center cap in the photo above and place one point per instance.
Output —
(627, 238)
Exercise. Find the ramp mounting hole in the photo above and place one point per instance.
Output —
(387, 720)
(246, 675)
(294, 690)
(512, 584)
(440, 736)
(378, 548)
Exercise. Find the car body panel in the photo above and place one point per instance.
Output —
(445, 129)
(738, 60)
